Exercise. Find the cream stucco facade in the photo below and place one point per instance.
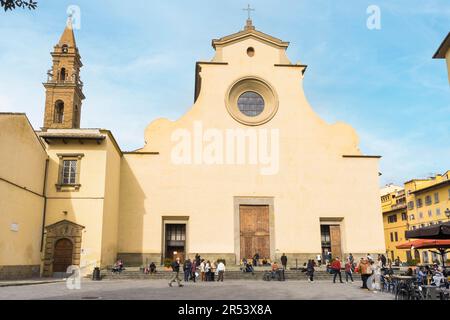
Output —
(195, 173)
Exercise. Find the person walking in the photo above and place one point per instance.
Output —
(284, 261)
(187, 266)
(348, 271)
(336, 268)
(310, 270)
(176, 273)
(365, 269)
(221, 271)
(194, 270)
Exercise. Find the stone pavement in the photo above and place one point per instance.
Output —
(28, 282)
(159, 290)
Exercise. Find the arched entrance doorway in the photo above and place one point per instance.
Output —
(63, 255)
(62, 247)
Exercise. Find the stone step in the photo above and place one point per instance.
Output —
(230, 275)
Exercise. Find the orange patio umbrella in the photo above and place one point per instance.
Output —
(440, 245)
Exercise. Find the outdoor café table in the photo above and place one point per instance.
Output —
(402, 282)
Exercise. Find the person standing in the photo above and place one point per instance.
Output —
(208, 271)
(310, 270)
(202, 270)
(198, 260)
(319, 260)
(221, 271)
(284, 261)
(365, 270)
(176, 273)
(194, 270)
(351, 259)
(336, 268)
(383, 261)
(187, 266)
(348, 271)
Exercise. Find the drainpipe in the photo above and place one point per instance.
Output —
(44, 193)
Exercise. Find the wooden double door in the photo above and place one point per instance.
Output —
(254, 231)
(62, 256)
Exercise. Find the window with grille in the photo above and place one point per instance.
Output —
(411, 205)
(251, 104)
(438, 212)
(69, 172)
(428, 200)
(404, 216)
(176, 235)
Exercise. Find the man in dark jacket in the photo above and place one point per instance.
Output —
(187, 268)
(284, 261)
(176, 273)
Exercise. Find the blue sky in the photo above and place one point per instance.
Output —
(139, 64)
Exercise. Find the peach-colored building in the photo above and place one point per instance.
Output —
(251, 168)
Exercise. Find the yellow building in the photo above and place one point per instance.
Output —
(444, 53)
(427, 201)
(243, 172)
(395, 220)
(420, 203)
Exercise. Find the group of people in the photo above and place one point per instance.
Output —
(365, 267)
(197, 268)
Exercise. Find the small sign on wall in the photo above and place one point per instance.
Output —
(14, 227)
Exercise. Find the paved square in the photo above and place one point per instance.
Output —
(228, 290)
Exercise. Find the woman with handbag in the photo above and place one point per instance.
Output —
(365, 269)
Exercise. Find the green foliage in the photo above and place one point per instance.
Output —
(412, 262)
(167, 263)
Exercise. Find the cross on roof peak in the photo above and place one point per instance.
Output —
(249, 10)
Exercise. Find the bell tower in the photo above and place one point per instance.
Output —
(64, 89)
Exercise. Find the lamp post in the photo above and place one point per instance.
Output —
(447, 213)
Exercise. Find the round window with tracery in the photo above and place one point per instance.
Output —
(251, 104)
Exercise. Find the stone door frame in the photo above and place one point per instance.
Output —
(61, 230)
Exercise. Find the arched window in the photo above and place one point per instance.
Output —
(65, 48)
(59, 112)
(63, 74)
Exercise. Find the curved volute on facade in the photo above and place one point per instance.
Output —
(251, 53)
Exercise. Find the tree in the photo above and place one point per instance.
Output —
(13, 4)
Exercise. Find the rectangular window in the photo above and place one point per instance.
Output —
(438, 212)
(69, 172)
(392, 237)
(411, 217)
(436, 197)
(392, 219)
(419, 203)
(428, 200)
(411, 205)
(420, 215)
(430, 213)
(396, 237)
(449, 193)
(404, 216)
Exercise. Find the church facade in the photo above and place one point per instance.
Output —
(249, 169)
